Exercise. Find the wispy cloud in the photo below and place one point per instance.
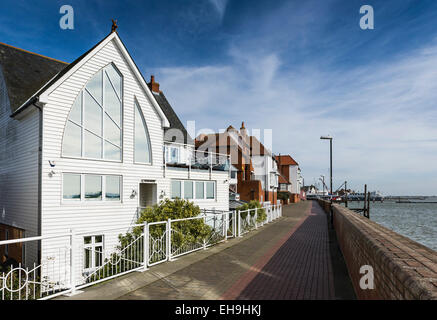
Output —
(382, 116)
(220, 6)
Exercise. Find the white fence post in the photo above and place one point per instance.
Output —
(256, 218)
(72, 263)
(169, 239)
(239, 224)
(225, 224)
(204, 240)
(146, 246)
(234, 223)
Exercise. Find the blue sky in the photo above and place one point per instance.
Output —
(301, 68)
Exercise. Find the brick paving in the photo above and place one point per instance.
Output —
(299, 269)
(286, 259)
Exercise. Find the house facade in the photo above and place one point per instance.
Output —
(256, 168)
(289, 168)
(85, 145)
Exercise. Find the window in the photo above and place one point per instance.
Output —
(210, 190)
(112, 188)
(200, 190)
(94, 125)
(175, 189)
(93, 251)
(71, 186)
(91, 187)
(172, 154)
(142, 141)
(188, 189)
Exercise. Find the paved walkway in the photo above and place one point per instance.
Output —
(286, 259)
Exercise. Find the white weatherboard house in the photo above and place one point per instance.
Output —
(84, 145)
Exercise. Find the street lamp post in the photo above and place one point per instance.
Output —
(330, 170)
(330, 152)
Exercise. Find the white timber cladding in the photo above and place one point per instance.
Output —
(19, 174)
(60, 216)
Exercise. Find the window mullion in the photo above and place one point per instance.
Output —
(103, 116)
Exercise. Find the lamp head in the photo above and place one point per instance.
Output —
(326, 137)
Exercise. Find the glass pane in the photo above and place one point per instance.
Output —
(99, 239)
(112, 152)
(115, 79)
(93, 115)
(188, 189)
(199, 190)
(93, 146)
(76, 110)
(112, 103)
(72, 143)
(87, 258)
(210, 190)
(95, 86)
(142, 146)
(112, 189)
(87, 240)
(71, 186)
(93, 187)
(175, 189)
(98, 256)
(112, 132)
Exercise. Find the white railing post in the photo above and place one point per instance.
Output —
(256, 218)
(168, 239)
(146, 246)
(239, 224)
(204, 240)
(72, 262)
(225, 221)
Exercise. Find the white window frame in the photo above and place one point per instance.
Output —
(143, 120)
(92, 246)
(82, 199)
(182, 181)
(121, 126)
(7, 246)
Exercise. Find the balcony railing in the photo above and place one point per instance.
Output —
(183, 155)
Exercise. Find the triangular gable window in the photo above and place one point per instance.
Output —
(143, 152)
(94, 125)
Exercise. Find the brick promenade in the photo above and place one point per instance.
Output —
(286, 259)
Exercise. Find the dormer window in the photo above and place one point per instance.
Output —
(94, 125)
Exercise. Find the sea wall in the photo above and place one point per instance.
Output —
(402, 268)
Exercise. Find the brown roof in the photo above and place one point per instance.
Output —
(286, 160)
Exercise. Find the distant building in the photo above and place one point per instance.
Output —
(289, 168)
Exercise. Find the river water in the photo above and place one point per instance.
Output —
(417, 221)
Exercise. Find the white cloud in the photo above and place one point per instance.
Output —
(220, 6)
(382, 116)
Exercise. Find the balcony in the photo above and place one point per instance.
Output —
(186, 156)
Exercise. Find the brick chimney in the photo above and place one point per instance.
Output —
(243, 131)
(154, 86)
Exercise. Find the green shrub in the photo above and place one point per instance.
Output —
(261, 212)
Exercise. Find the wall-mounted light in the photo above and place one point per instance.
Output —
(133, 194)
(52, 163)
(162, 195)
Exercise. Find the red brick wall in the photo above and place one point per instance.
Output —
(250, 190)
(403, 268)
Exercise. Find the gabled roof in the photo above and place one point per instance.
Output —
(286, 160)
(26, 72)
(47, 86)
(175, 122)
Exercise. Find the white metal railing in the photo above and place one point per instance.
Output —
(68, 264)
(186, 155)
